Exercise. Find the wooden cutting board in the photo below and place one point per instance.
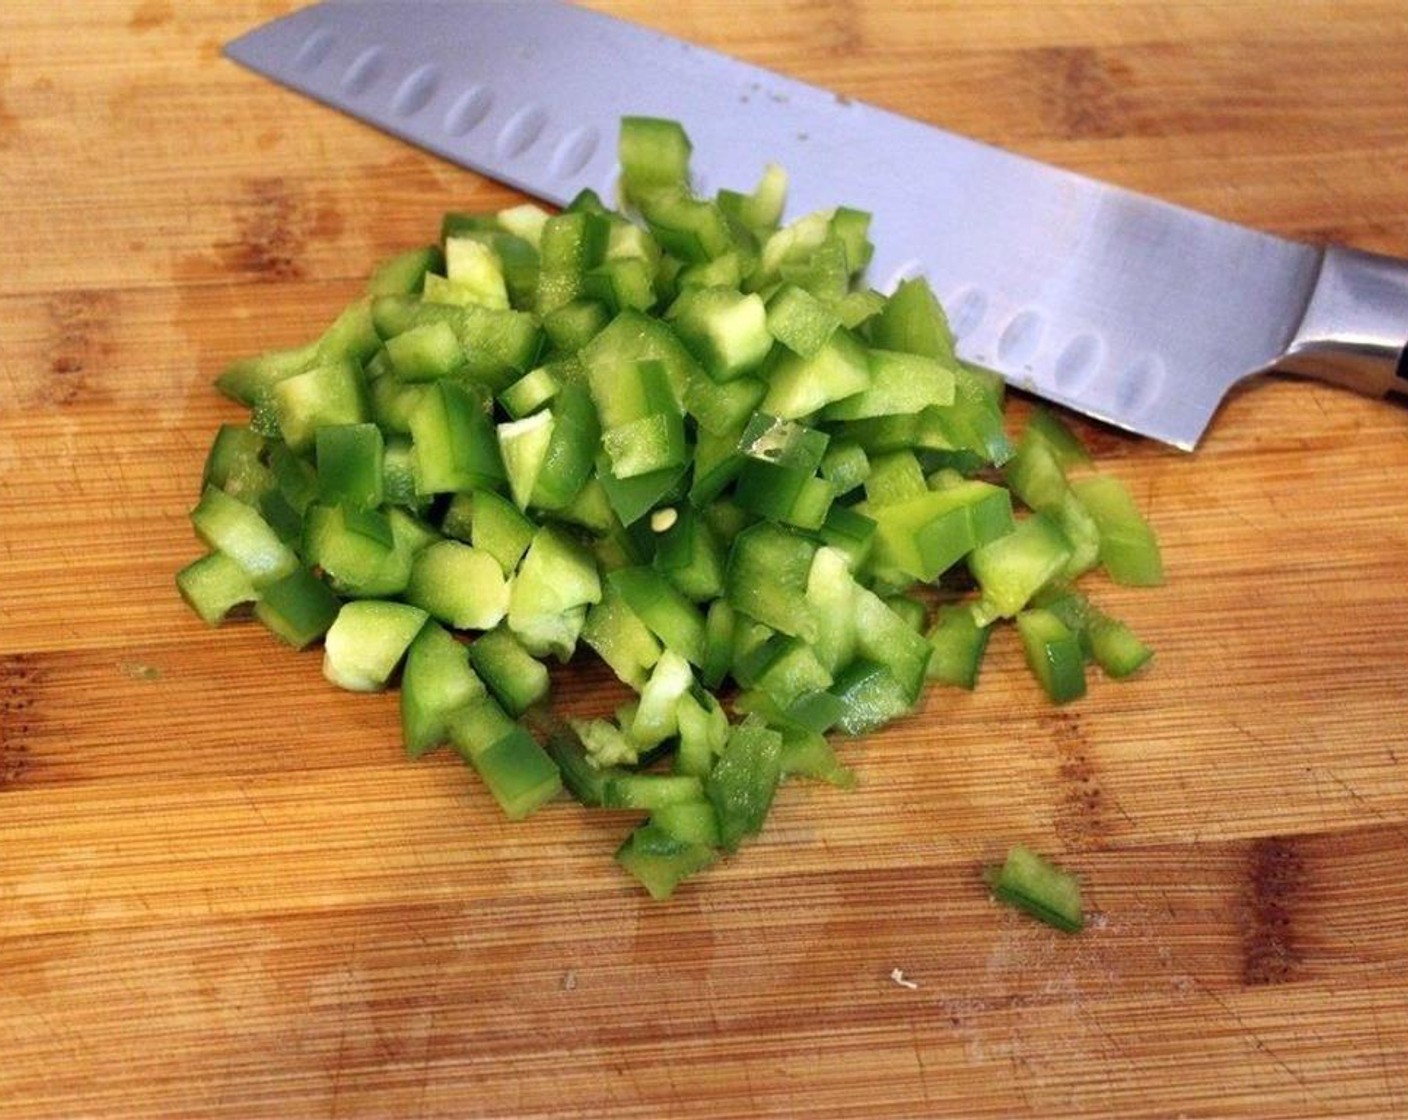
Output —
(224, 892)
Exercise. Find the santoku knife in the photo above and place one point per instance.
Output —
(1128, 309)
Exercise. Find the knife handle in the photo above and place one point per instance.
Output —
(1355, 328)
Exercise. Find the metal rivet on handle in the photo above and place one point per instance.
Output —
(314, 49)
(471, 107)
(365, 71)
(575, 151)
(522, 131)
(416, 91)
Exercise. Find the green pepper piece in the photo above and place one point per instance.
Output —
(331, 393)
(367, 641)
(298, 608)
(1030, 883)
(725, 329)
(426, 352)
(654, 155)
(800, 321)
(214, 585)
(1129, 549)
(620, 638)
(766, 578)
(349, 463)
(1053, 653)
(456, 445)
(437, 681)
(926, 535)
(692, 822)
(571, 245)
(663, 608)
(571, 451)
(518, 773)
(1014, 567)
(959, 644)
(651, 791)
(871, 697)
(236, 529)
(660, 861)
(744, 780)
(913, 321)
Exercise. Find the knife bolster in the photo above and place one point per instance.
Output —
(1355, 326)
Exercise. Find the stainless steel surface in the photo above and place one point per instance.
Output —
(1353, 330)
(1128, 309)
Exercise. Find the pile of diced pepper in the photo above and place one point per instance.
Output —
(685, 436)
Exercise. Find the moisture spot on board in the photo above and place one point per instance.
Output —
(139, 671)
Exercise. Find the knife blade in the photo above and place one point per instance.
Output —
(1128, 309)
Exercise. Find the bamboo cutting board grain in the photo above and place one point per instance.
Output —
(223, 891)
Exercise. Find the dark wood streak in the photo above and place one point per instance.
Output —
(275, 224)
(1275, 873)
(1083, 92)
(9, 119)
(19, 676)
(841, 29)
(150, 15)
(1081, 821)
(81, 342)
